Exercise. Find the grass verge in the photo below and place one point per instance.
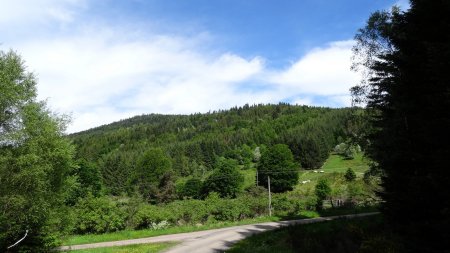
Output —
(135, 234)
(138, 248)
(365, 235)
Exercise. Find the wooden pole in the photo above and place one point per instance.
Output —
(257, 179)
(270, 197)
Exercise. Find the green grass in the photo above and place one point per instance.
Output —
(138, 248)
(135, 234)
(249, 177)
(365, 234)
(336, 163)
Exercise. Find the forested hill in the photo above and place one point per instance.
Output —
(193, 142)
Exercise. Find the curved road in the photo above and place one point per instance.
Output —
(209, 241)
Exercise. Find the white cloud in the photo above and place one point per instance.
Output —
(90, 74)
(30, 11)
(100, 74)
(323, 71)
(99, 80)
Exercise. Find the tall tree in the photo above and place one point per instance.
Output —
(35, 161)
(407, 58)
(151, 170)
(278, 163)
(226, 180)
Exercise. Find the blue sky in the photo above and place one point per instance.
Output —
(104, 60)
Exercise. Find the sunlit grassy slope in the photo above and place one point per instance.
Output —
(336, 163)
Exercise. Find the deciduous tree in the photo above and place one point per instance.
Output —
(35, 160)
(278, 163)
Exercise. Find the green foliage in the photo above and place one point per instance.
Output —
(350, 175)
(98, 215)
(366, 234)
(194, 141)
(87, 180)
(192, 188)
(278, 163)
(313, 152)
(115, 171)
(322, 191)
(137, 248)
(148, 215)
(35, 161)
(153, 170)
(347, 150)
(225, 179)
(406, 56)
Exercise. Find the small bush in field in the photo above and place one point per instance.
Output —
(322, 192)
(350, 175)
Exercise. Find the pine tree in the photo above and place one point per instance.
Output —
(407, 56)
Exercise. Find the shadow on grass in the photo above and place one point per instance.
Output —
(362, 234)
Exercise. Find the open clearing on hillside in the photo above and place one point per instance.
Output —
(337, 163)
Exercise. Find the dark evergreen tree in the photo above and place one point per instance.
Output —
(350, 175)
(407, 55)
(115, 171)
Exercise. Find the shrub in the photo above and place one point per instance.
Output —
(322, 190)
(192, 188)
(190, 211)
(149, 215)
(350, 175)
(225, 179)
(284, 205)
(98, 215)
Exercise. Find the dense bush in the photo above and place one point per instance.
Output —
(148, 215)
(192, 188)
(284, 205)
(225, 179)
(98, 215)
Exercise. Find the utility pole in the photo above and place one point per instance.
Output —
(270, 197)
(257, 179)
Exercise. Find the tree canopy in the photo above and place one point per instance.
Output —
(35, 160)
(278, 164)
(406, 56)
(193, 142)
(225, 179)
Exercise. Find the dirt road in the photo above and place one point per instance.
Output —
(208, 241)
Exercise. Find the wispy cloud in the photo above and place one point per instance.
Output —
(38, 11)
(102, 74)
